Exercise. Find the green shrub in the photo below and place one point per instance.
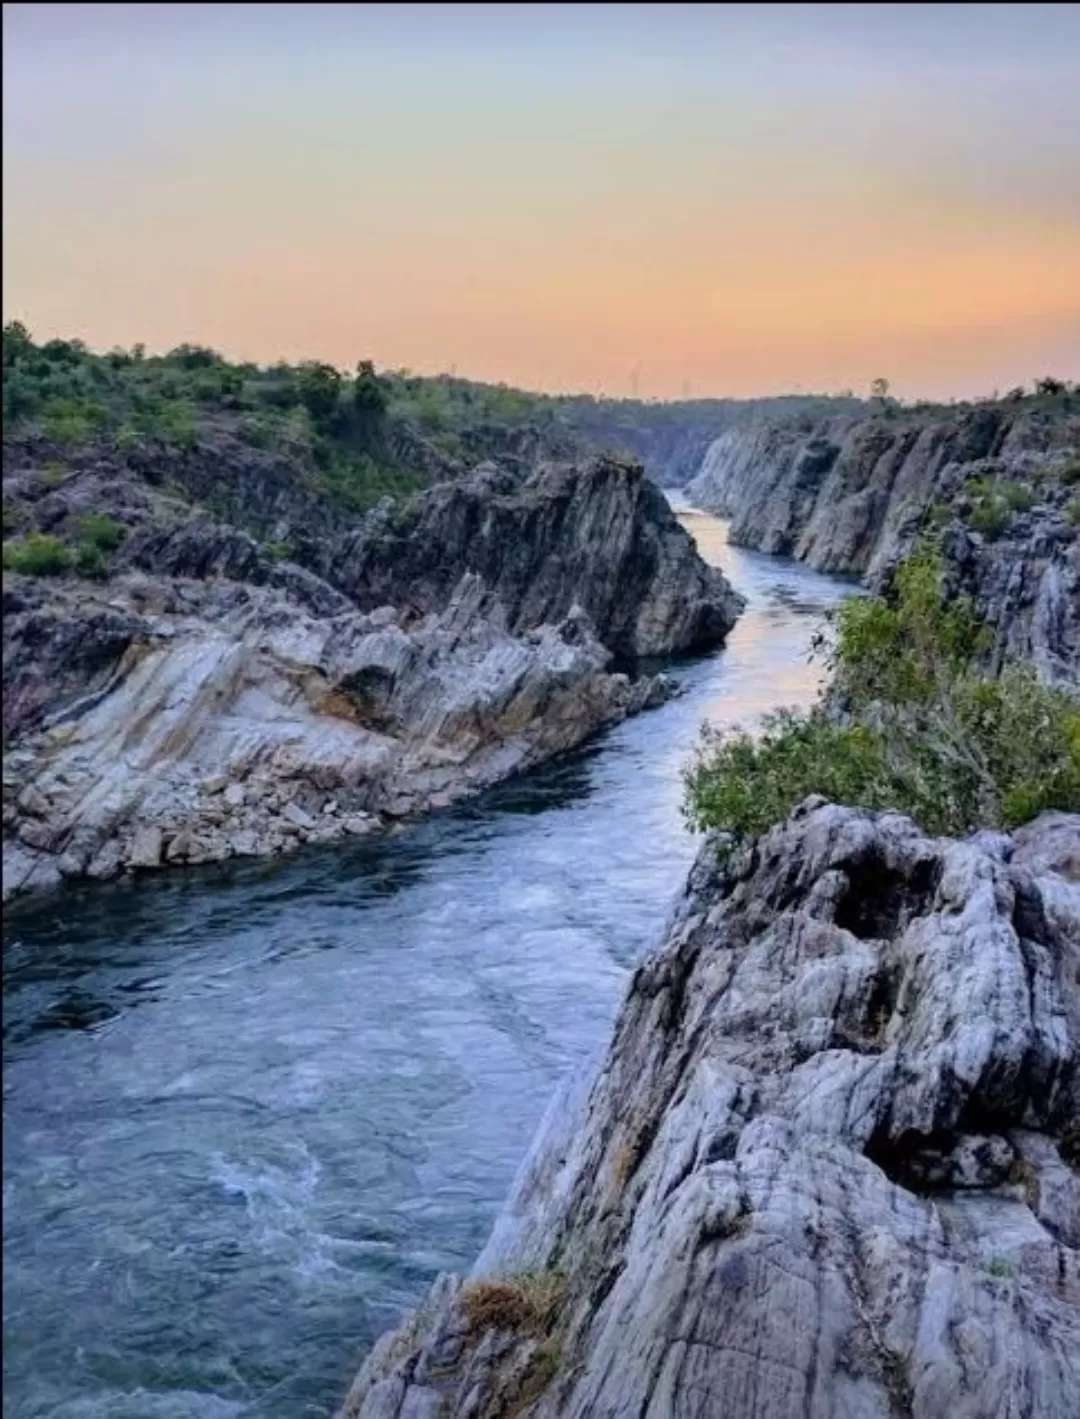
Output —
(91, 561)
(172, 421)
(1070, 473)
(256, 432)
(100, 530)
(1072, 512)
(357, 480)
(319, 388)
(990, 517)
(37, 554)
(1017, 497)
(277, 551)
(925, 729)
(73, 421)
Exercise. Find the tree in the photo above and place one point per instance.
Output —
(17, 342)
(320, 391)
(64, 352)
(925, 729)
(369, 402)
(879, 389)
(1049, 385)
(194, 357)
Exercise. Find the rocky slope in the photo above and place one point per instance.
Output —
(211, 698)
(598, 535)
(853, 495)
(829, 1166)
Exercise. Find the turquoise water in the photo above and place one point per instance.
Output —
(250, 1111)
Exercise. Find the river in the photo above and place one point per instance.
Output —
(250, 1111)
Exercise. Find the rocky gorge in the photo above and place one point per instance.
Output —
(830, 1161)
(213, 698)
(829, 1164)
(853, 494)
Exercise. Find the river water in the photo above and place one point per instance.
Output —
(250, 1111)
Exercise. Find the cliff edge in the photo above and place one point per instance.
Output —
(829, 1166)
(999, 481)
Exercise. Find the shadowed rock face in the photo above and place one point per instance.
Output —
(599, 536)
(853, 495)
(828, 1166)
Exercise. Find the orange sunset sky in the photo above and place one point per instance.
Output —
(726, 200)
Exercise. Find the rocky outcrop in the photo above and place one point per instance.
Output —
(829, 1166)
(212, 698)
(598, 535)
(266, 493)
(222, 721)
(854, 494)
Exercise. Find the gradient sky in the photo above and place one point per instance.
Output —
(725, 199)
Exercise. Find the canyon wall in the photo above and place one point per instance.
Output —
(1000, 482)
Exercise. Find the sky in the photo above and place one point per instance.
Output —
(681, 199)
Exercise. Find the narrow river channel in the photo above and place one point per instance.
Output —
(250, 1111)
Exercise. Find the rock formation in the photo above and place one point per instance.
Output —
(830, 1164)
(853, 494)
(599, 535)
(212, 699)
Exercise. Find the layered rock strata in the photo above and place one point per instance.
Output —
(212, 699)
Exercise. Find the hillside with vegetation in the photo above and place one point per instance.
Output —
(914, 722)
(349, 438)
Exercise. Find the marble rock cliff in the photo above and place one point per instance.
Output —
(599, 535)
(854, 493)
(830, 1164)
(210, 699)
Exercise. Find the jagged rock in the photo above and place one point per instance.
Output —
(180, 846)
(151, 699)
(827, 1167)
(106, 863)
(599, 536)
(367, 716)
(34, 803)
(294, 814)
(852, 494)
(34, 834)
(245, 844)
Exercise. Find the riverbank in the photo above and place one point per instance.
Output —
(252, 1109)
(205, 699)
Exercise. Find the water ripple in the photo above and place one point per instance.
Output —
(251, 1110)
